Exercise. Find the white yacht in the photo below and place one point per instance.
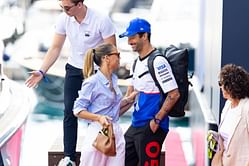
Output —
(16, 102)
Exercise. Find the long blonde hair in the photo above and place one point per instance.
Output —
(95, 55)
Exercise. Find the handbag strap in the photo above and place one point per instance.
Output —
(110, 130)
(107, 131)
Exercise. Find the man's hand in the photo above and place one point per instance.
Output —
(34, 79)
(153, 125)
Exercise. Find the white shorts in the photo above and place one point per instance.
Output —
(91, 157)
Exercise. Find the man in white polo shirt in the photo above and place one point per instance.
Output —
(150, 122)
(84, 29)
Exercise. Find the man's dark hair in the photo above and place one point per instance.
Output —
(142, 33)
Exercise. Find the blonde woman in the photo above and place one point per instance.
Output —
(100, 103)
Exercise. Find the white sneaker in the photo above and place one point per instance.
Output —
(66, 162)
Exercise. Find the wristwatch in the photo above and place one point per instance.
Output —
(157, 121)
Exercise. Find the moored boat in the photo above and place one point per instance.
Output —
(16, 102)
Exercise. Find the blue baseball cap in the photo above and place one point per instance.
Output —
(136, 25)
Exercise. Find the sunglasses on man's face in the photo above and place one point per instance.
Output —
(66, 8)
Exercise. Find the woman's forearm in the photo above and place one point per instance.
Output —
(88, 115)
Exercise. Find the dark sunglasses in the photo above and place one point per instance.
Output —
(67, 8)
(219, 83)
(115, 53)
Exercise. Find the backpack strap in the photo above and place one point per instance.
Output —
(134, 65)
(151, 68)
(133, 69)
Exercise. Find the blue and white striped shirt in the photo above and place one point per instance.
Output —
(96, 97)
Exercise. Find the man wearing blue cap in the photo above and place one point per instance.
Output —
(150, 123)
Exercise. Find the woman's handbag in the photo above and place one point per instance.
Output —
(215, 148)
(212, 140)
(105, 141)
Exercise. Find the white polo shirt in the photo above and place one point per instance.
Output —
(88, 34)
